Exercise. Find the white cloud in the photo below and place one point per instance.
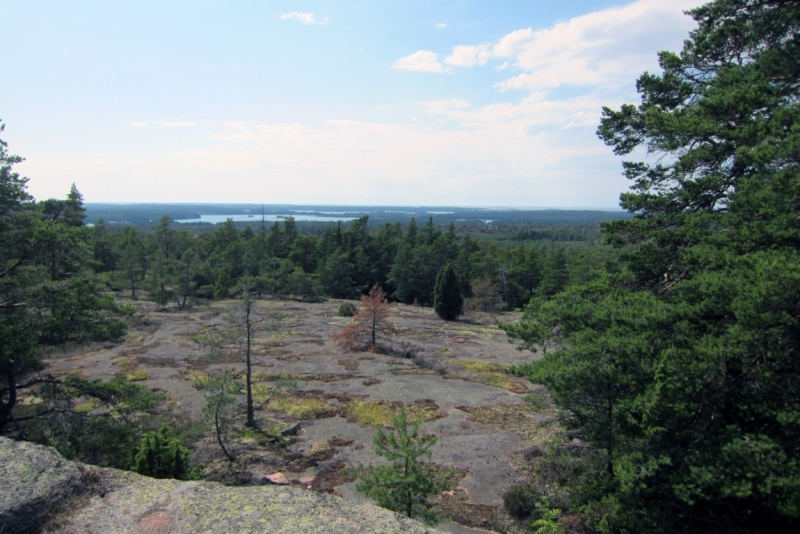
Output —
(175, 124)
(442, 25)
(306, 18)
(420, 61)
(604, 49)
(535, 113)
(139, 124)
(508, 46)
(469, 56)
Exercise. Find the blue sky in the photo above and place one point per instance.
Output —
(410, 102)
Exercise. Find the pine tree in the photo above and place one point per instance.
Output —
(406, 485)
(680, 371)
(447, 299)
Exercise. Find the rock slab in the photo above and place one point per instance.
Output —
(135, 504)
(33, 481)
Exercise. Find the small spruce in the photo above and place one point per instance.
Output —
(160, 455)
(447, 299)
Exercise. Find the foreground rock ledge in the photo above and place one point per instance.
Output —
(126, 502)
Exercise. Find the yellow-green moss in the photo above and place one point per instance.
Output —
(134, 375)
(301, 408)
(374, 413)
(491, 374)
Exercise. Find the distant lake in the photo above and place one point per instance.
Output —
(216, 219)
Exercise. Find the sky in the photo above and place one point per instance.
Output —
(412, 102)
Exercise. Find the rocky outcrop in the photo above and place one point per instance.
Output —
(34, 480)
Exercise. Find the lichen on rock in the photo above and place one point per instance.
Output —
(36, 479)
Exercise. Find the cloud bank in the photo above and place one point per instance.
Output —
(304, 17)
(420, 61)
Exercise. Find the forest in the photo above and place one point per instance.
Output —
(496, 271)
(669, 350)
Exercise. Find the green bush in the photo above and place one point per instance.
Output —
(348, 309)
(520, 500)
(160, 455)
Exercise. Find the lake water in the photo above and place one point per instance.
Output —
(216, 219)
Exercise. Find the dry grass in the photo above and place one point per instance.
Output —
(79, 372)
(199, 379)
(477, 331)
(417, 371)
(514, 418)
(350, 364)
(302, 377)
(85, 355)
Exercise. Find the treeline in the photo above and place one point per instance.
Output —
(176, 265)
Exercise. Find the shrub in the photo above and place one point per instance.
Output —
(160, 455)
(348, 309)
(520, 500)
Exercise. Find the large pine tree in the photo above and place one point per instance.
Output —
(682, 371)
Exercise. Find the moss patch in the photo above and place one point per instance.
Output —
(125, 362)
(374, 413)
(134, 375)
(304, 408)
(491, 374)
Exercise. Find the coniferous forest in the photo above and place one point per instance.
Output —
(670, 350)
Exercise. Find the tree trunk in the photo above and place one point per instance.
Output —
(133, 285)
(216, 423)
(6, 408)
(251, 419)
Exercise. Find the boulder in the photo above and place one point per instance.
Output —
(34, 481)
